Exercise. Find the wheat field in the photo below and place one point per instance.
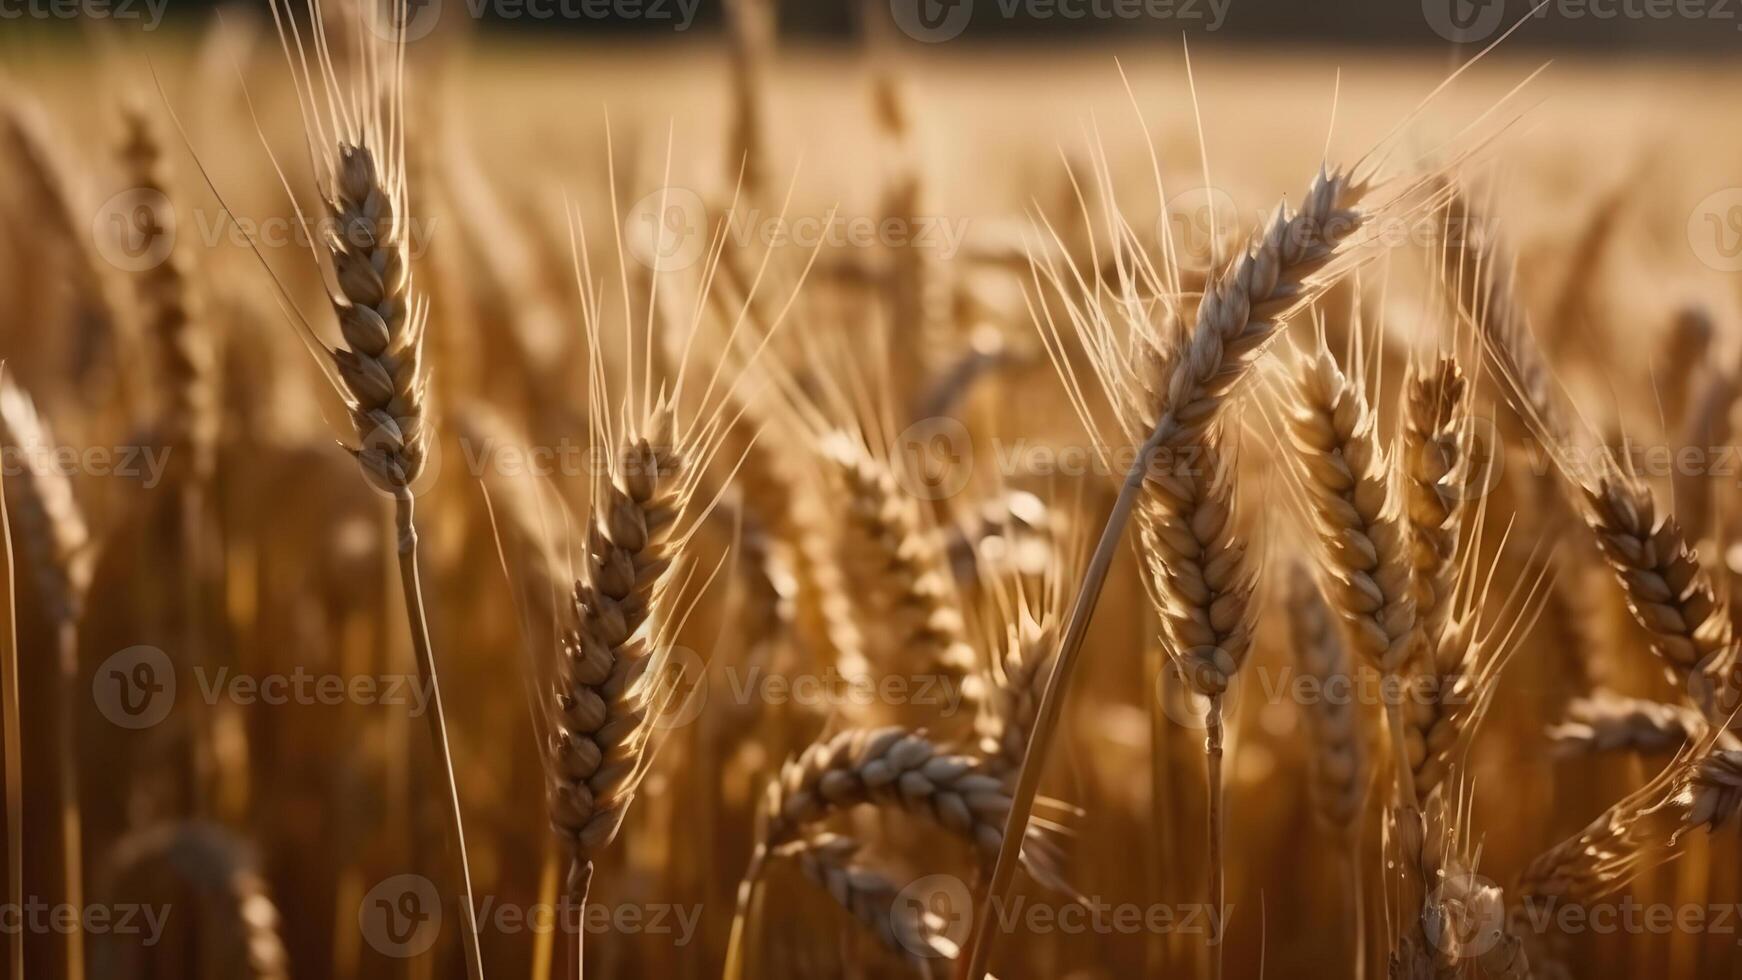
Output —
(743, 506)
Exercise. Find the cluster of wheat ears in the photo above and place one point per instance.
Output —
(1358, 645)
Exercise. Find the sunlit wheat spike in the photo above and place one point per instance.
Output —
(180, 340)
(1435, 456)
(1610, 722)
(1357, 510)
(872, 898)
(1338, 751)
(48, 521)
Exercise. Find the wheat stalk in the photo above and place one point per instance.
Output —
(1240, 313)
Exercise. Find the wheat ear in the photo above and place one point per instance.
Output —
(604, 702)
(871, 898)
(1239, 315)
(1357, 512)
(1201, 582)
(57, 547)
(1610, 722)
(1337, 754)
(379, 363)
(1668, 591)
(887, 543)
(180, 340)
(1435, 456)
